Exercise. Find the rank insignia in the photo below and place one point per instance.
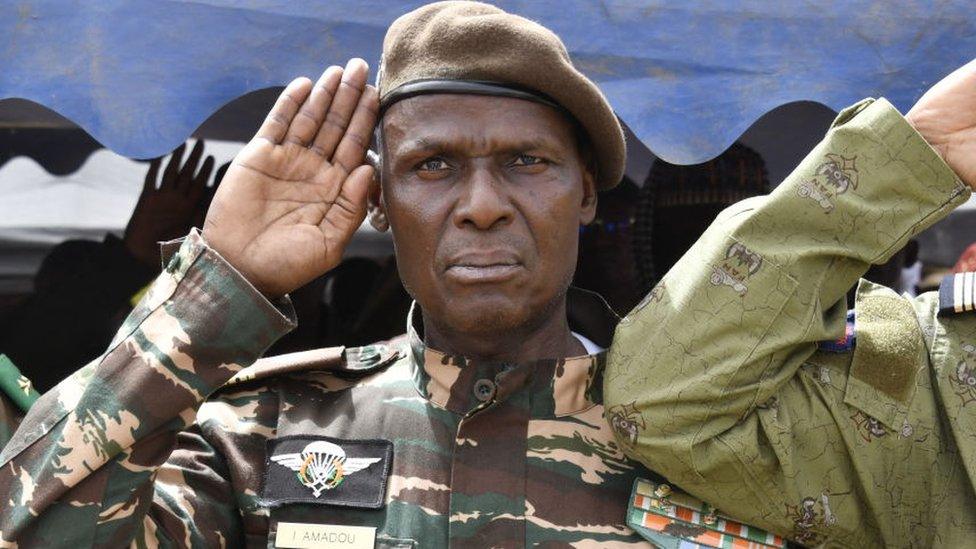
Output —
(675, 520)
(325, 470)
(957, 293)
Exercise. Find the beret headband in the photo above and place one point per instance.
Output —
(476, 48)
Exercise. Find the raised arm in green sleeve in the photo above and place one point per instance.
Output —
(706, 372)
(83, 469)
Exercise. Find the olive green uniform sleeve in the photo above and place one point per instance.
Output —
(84, 467)
(10, 416)
(17, 394)
(15, 385)
(710, 362)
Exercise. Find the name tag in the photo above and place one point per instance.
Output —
(297, 535)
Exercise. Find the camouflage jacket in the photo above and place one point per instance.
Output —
(168, 439)
(865, 441)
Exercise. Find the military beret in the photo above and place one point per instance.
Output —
(476, 48)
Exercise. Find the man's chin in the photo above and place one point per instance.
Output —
(487, 314)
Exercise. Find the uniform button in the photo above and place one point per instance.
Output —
(484, 389)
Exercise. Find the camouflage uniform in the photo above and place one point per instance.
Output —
(483, 454)
(867, 439)
(509, 455)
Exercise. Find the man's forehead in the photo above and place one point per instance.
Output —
(431, 118)
(461, 105)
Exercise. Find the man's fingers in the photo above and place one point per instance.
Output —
(349, 208)
(279, 119)
(352, 148)
(190, 167)
(199, 183)
(311, 114)
(341, 111)
(152, 175)
(172, 168)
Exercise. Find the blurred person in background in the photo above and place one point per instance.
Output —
(966, 261)
(640, 232)
(677, 203)
(84, 289)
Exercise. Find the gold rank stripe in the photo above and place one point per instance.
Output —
(957, 293)
(963, 292)
(967, 292)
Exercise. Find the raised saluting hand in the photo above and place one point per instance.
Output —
(946, 118)
(295, 195)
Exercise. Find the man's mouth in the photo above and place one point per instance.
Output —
(483, 268)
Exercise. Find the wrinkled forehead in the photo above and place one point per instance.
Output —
(470, 120)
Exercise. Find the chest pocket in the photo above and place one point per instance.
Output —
(329, 492)
(888, 354)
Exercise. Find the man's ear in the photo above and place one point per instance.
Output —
(375, 209)
(588, 204)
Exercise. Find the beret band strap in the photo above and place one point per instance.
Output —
(466, 87)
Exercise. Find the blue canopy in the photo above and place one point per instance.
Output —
(688, 77)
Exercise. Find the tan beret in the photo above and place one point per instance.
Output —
(471, 47)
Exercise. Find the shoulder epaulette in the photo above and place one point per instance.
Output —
(957, 293)
(346, 363)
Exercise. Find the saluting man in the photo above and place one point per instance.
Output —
(484, 425)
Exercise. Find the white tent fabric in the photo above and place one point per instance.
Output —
(44, 209)
(39, 210)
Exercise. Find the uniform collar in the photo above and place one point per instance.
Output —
(553, 387)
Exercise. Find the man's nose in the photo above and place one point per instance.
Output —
(484, 203)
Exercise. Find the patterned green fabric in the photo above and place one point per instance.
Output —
(80, 469)
(534, 463)
(714, 380)
(729, 398)
(163, 440)
(15, 385)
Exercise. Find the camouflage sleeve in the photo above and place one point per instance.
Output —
(730, 325)
(80, 469)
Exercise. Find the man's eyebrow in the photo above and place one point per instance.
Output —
(421, 144)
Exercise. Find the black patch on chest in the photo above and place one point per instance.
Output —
(327, 471)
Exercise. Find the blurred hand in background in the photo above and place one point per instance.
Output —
(171, 204)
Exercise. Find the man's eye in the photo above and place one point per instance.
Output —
(527, 160)
(432, 165)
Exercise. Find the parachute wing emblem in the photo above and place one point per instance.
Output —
(291, 461)
(358, 464)
(322, 465)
